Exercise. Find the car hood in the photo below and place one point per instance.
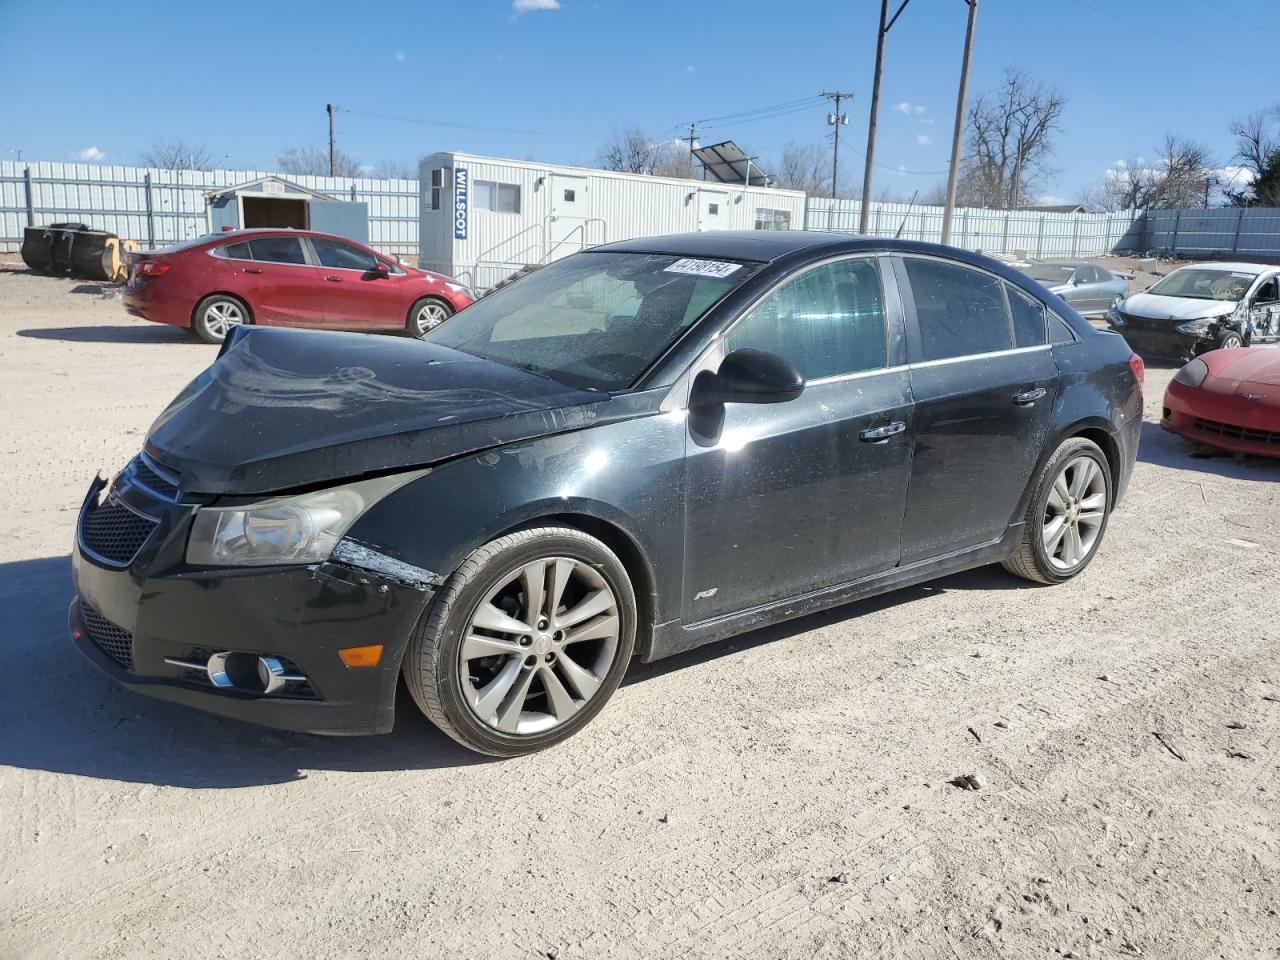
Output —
(283, 409)
(1175, 308)
(1251, 370)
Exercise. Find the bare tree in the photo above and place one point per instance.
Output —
(1258, 151)
(804, 167)
(1181, 175)
(1009, 141)
(315, 161)
(634, 151)
(176, 155)
(394, 169)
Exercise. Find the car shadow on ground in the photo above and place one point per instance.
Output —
(148, 333)
(1164, 449)
(59, 714)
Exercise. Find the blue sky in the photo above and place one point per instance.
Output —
(248, 80)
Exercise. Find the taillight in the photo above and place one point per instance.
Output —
(1138, 367)
(153, 268)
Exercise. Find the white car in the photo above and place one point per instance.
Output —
(1206, 306)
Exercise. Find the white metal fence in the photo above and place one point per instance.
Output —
(160, 207)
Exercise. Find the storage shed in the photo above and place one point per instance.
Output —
(483, 219)
(276, 202)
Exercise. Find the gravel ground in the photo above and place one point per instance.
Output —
(783, 795)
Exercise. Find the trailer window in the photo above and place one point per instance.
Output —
(498, 197)
(767, 219)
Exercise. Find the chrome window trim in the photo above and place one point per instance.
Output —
(857, 375)
(989, 354)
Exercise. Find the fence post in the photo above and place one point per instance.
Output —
(151, 213)
(1004, 234)
(1235, 241)
(875, 230)
(964, 229)
(1177, 222)
(31, 200)
(1075, 236)
(1040, 238)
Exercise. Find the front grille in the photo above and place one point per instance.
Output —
(114, 641)
(1134, 322)
(114, 533)
(149, 477)
(1238, 433)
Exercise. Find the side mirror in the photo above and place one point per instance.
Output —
(381, 270)
(748, 376)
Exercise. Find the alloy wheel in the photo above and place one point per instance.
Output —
(220, 317)
(1074, 513)
(1231, 341)
(430, 316)
(539, 645)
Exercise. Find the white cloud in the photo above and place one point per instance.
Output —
(902, 107)
(400, 56)
(918, 109)
(89, 155)
(923, 140)
(1120, 164)
(928, 120)
(524, 6)
(1051, 200)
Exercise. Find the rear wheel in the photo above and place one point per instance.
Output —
(1067, 516)
(525, 642)
(215, 317)
(427, 314)
(1229, 340)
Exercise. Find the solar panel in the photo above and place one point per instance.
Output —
(727, 163)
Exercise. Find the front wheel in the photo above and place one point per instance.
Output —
(427, 314)
(1067, 516)
(215, 317)
(525, 643)
(1229, 340)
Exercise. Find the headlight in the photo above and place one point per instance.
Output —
(460, 288)
(1198, 326)
(1193, 374)
(301, 529)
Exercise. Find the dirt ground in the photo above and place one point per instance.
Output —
(782, 795)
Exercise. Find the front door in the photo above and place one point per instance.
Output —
(984, 382)
(713, 210)
(791, 497)
(358, 297)
(570, 208)
(1264, 309)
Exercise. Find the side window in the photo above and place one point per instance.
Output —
(828, 321)
(235, 251)
(1060, 331)
(342, 256)
(1267, 293)
(960, 311)
(1087, 274)
(277, 249)
(1028, 319)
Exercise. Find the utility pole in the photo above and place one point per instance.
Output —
(333, 165)
(837, 120)
(886, 22)
(949, 210)
(693, 132)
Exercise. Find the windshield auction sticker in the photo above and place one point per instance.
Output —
(703, 268)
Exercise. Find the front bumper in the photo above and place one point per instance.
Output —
(131, 620)
(1165, 344)
(1224, 421)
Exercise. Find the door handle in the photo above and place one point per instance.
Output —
(252, 269)
(881, 434)
(1029, 397)
(330, 276)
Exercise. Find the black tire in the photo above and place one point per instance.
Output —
(416, 324)
(432, 662)
(1032, 561)
(1229, 340)
(205, 322)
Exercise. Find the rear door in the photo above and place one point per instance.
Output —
(281, 285)
(791, 497)
(357, 297)
(984, 382)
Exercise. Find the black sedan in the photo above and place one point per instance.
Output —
(636, 450)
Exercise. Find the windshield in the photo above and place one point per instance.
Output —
(1199, 284)
(594, 320)
(1050, 272)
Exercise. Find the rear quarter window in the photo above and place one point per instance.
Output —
(234, 251)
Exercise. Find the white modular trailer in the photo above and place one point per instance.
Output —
(484, 219)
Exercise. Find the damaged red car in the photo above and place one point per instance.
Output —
(1229, 399)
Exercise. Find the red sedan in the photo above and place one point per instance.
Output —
(290, 278)
(1228, 399)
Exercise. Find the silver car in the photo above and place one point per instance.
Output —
(1089, 288)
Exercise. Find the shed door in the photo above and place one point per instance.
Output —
(713, 210)
(341, 218)
(570, 207)
(224, 211)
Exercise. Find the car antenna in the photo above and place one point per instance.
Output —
(902, 226)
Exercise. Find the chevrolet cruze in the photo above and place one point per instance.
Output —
(641, 448)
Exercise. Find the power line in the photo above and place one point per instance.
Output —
(806, 101)
(1232, 13)
(768, 116)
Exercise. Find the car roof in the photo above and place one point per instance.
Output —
(1241, 267)
(1063, 263)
